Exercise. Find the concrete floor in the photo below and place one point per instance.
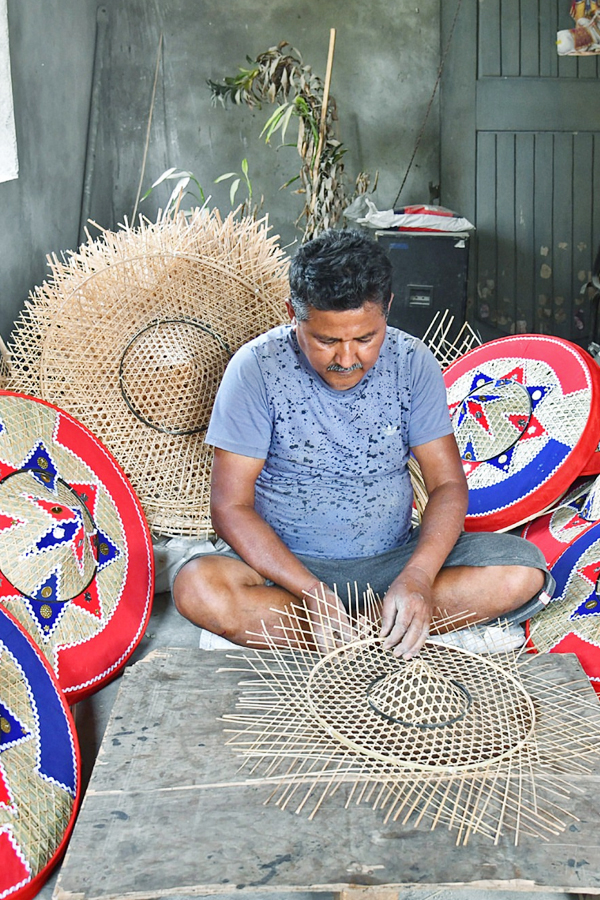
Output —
(167, 628)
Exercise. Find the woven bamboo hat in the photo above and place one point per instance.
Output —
(132, 334)
(577, 511)
(39, 765)
(571, 621)
(526, 416)
(477, 743)
(76, 561)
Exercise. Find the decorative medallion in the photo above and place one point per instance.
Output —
(76, 561)
(526, 416)
(39, 765)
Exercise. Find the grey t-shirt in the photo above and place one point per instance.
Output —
(335, 482)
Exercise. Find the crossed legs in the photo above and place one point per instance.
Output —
(226, 596)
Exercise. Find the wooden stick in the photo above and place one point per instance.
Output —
(323, 122)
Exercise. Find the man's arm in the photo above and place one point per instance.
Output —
(408, 604)
(237, 522)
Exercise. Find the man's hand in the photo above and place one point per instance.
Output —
(406, 614)
(330, 622)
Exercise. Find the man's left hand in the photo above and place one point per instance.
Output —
(406, 613)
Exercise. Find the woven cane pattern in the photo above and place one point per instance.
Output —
(475, 743)
(67, 557)
(491, 419)
(132, 335)
(576, 606)
(456, 710)
(37, 809)
(44, 517)
(571, 517)
(39, 558)
(438, 338)
(525, 428)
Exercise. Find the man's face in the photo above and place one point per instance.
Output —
(341, 346)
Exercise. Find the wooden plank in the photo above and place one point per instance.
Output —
(510, 38)
(543, 239)
(524, 243)
(486, 287)
(505, 232)
(530, 38)
(563, 233)
(585, 198)
(489, 30)
(153, 812)
(498, 109)
(548, 55)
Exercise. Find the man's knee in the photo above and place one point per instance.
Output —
(205, 588)
(519, 583)
(196, 585)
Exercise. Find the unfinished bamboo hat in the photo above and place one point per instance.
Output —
(39, 765)
(76, 561)
(526, 415)
(571, 622)
(577, 511)
(476, 743)
(132, 335)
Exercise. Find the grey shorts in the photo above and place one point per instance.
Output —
(378, 572)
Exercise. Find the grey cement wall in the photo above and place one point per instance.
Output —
(83, 92)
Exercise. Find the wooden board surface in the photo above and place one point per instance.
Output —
(150, 827)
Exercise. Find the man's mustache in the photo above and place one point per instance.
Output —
(335, 368)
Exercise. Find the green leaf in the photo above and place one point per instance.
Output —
(225, 176)
(164, 176)
(177, 190)
(273, 122)
(233, 190)
(285, 121)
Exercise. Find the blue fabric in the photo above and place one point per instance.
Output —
(335, 483)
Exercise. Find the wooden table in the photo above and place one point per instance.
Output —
(149, 827)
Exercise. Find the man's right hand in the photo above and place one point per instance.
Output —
(330, 623)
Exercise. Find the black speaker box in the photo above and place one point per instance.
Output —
(430, 272)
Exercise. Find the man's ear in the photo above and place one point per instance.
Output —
(387, 312)
(291, 312)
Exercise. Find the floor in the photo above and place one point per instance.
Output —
(167, 628)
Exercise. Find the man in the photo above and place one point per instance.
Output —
(313, 425)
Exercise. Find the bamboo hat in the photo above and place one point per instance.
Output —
(577, 511)
(473, 742)
(132, 335)
(39, 765)
(526, 416)
(571, 621)
(76, 561)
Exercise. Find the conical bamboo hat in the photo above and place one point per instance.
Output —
(131, 335)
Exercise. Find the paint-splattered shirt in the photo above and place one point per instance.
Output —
(335, 482)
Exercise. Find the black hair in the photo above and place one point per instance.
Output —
(340, 270)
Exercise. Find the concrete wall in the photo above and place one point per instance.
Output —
(83, 80)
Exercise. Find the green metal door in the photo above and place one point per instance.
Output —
(520, 157)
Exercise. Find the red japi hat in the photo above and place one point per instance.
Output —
(39, 765)
(571, 621)
(579, 510)
(76, 560)
(526, 415)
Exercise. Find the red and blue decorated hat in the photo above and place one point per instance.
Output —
(39, 765)
(526, 416)
(76, 561)
(571, 621)
(579, 509)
